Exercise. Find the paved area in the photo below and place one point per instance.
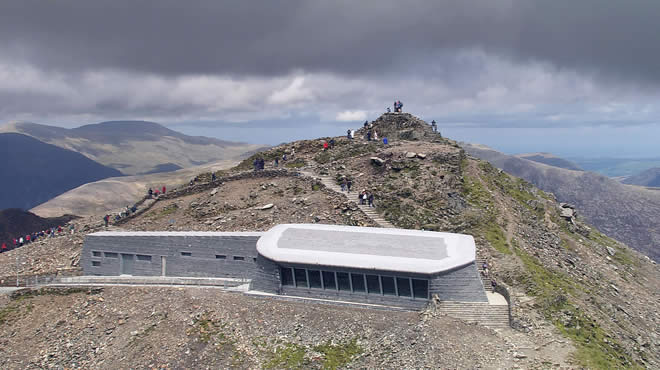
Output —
(8, 290)
(496, 299)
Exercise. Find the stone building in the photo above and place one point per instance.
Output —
(393, 267)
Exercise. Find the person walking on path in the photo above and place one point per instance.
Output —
(370, 198)
(325, 145)
(164, 189)
(4, 248)
(20, 241)
(213, 177)
(106, 218)
(349, 183)
(343, 184)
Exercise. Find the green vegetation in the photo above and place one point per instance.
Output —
(517, 188)
(338, 355)
(621, 255)
(296, 163)
(287, 356)
(344, 149)
(553, 290)
(493, 233)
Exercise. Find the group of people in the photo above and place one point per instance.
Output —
(151, 192)
(127, 211)
(366, 198)
(33, 237)
(346, 184)
(259, 163)
(398, 106)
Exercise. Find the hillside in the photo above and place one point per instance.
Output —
(627, 213)
(15, 223)
(579, 298)
(111, 194)
(33, 172)
(650, 178)
(551, 160)
(135, 147)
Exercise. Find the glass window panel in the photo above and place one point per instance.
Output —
(96, 254)
(420, 288)
(373, 284)
(287, 276)
(329, 280)
(301, 278)
(142, 257)
(388, 285)
(220, 257)
(314, 278)
(239, 258)
(96, 263)
(343, 281)
(111, 255)
(358, 282)
(403, 284)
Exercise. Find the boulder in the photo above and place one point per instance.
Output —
(214, 191)
(267, 206)
(377, 161)
(567, 212)
(411, 155)
(421, 155)
(611, 251)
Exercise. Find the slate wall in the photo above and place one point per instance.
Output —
(462, 284)
(185, 255)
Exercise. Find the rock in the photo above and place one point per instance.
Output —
(214, 191)
(377, 161)
(567, 212)
(421, 155)
(411, 154)
(267, 206)
(611, 251)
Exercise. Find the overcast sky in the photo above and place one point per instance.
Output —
(565, 76)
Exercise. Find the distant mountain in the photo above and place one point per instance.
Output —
(628, 213)
(551, 160)
(15, 222)
(33, 172)
(650, 178)
(135, 147)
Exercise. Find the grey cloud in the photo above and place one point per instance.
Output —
(607, 38)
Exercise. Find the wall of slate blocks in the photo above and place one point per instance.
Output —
(230, 256)
(462, 284)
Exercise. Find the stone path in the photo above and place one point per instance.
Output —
(331, 184)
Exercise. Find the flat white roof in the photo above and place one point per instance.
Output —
(174, 233)
(414, 251)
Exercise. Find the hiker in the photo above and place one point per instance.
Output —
(293, 152)
(106, 218)
(343, 184)
(348, 134)
(157, 192)
(284, 157)
(150, 192)
(20, 241)
(332, 143)
(164, 189)
(59, 229)
(368, 135)
(277, 162)
(325, 145)
(352, 134)
(389, 110)
(213, 177)
(385, 140)
(364, 197)
(27, 239)
(366, 123)
(348, 185)
(4, 248)
(262, 163)
(375, 135)
(360, 198)
(434, 126)
(15, 242)
(370, 198)
(484, 268)
(255, 164)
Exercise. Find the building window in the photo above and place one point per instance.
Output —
(388, 285)
(96, 263)
(314, 277)
(96, 254)
(186, 254)
(220, 257)
(403, 286)
(373, 284)
(111, 255)
(239, 258)
(358, 282)
(301, 278)
(329, 280)
(254, 259)
(287, 276)
(142, 257)
(420, 288)
(343, 281)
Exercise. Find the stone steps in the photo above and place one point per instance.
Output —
(496, 316)
(329, 183)
(485, 280)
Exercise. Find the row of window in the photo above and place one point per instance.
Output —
(355, 282)
(142, 257)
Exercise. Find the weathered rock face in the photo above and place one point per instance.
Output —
(402, 126)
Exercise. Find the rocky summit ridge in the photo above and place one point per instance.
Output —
(578, 298)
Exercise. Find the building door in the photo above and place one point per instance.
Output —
(127, 264)
(163, 265)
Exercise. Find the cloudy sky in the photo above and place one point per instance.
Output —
(572, 77)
